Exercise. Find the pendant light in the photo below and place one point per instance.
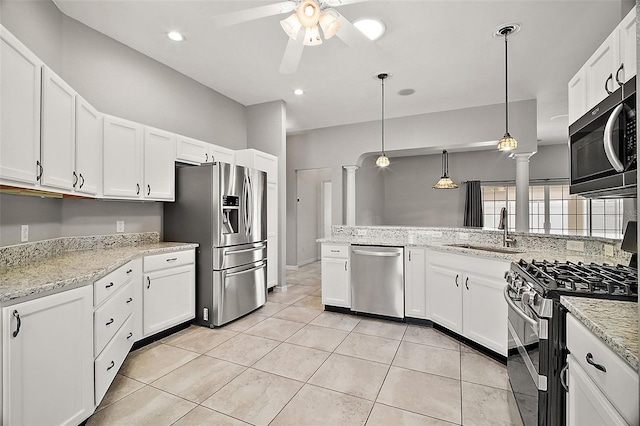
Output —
(445, 181)
(383, 160)
(507, 143)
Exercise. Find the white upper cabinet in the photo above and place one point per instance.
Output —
(122, 158)
(627, 43)
(260, 161)
(191, 150)
(20, 73)
(577, 96)
(159, 164)
(89, 131)
(57, 148)
(219, 153)
(600, 69)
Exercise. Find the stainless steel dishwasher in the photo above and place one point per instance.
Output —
(377, 280)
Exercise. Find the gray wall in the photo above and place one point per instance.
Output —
(309, 213)
(120, 81)
(410, 200)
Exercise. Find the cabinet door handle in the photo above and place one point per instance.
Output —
(75, 180)
(466, 283)
(620, 68)
(113, 364)
(129, 271)
(108, 285)
(129, 300)
(173, 259)
(81, 181)
(345, 265)
(17, 317)
(39, 164)
(457, 285)
(130, 335)
(606, 84)
(148, 282)
(563, 377)
(148, 189)
(109, 322)
(206, 157)
(597, 366)
(137, 189)
(409, 255)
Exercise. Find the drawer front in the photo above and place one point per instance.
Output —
(619, 383)
(110, 284)
(111, 359)
(169, 260)
(335, 250)
(108, 318)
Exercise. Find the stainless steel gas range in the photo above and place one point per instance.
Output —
(537, 341)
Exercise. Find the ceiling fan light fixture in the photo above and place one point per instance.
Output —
(312, 36)
(370, 27)
(445, 181)
(291, 26)
(330, 25)
(308, 13)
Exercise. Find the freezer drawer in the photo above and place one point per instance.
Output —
(238, 291)
(377, 280)
(230, 257)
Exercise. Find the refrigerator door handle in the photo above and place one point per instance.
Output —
(255, 268)
(229, 253)
(250, 203)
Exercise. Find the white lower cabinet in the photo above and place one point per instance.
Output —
(110, 360)
(47, 349)
(466, 297)
(415, 288)
(168, 291)
(336, 290)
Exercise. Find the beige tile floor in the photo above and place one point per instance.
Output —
(291, 363)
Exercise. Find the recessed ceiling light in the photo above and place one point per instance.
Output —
(298, 92)
(371, 27)
(406, 92)
(175, 36)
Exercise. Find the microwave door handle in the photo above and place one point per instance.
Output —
(608, 140)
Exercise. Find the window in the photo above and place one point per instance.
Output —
(552, 210)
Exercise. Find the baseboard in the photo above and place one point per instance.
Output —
(291, 268)
(306, 262)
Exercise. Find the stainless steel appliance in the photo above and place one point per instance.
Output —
(377, 280)
(537, 337)
(222, 207)
(602, 147)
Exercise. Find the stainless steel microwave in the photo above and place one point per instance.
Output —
(602, 147)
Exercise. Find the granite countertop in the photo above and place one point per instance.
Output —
(614, 322)
(73, 267)
(513, 254)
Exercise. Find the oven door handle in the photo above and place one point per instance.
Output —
(608, 140)
(533, 323)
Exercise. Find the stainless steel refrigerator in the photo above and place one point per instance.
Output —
(222, 207)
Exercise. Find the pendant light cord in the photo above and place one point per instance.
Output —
(506, 85)
(383, 77)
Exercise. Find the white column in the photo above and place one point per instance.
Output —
(351, 194)
(522, 190)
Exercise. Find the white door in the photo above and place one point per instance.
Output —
(326, 209)
(335, 282)
(191, 150)
(415, 286)
(89, 130)
(19, 111)
(57, 148)
(272, 234)
(272, 261)
(627, 43)
(48, 364)
(168, 298)
(446, 296)
(159, 164)
(599, 71)
(122, 158)
(485, 312)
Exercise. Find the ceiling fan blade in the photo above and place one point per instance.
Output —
(252, 14)
(352, 36)
(292, 55)
(336, 3)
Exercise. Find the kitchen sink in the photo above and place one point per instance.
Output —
(486, 248)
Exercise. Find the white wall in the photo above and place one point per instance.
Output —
(370, 191)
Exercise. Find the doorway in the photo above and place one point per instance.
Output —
(313, 212)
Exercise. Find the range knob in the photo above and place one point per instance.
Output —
(529, 297)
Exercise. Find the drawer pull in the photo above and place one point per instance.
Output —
(130, 335)
(129, 271)
(173, 259)
(597, 366)
(109, 322)
(108, 285)
(335, 251)
(129, 300)
(113, 364)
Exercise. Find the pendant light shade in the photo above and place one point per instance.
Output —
(445, 181)
(507, 143)
(383, 160)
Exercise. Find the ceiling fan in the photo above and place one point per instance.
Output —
(302, 26)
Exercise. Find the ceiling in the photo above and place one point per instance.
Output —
(444, 50)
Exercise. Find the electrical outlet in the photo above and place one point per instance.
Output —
(24, 233)
(362, 232)
(120, 226)
(575, 245)
(436, 234)
(608, 250)
(463, 236)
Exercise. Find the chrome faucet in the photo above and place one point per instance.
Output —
(507, 241)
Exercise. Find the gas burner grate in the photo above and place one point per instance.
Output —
(616, 280)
